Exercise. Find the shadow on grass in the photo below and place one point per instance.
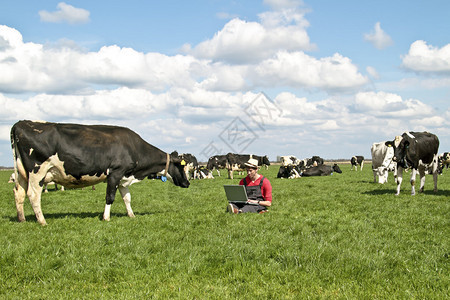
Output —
(392, 192)
(82, 215)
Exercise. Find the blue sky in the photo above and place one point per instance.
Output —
(337, 75)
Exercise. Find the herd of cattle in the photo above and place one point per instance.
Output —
(76, 156)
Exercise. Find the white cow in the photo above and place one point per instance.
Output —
(382, 162)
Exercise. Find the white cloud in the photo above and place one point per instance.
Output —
(382, 104)
(378, 38)
(65, 14)
(373, 72)
(426, 58)
(299, 69)
(249, 42)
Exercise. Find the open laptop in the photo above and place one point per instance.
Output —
(236, 193)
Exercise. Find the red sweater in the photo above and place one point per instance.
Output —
(266, 188)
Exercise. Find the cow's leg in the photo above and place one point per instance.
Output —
(230, 174)
(45, 188)
(399, 179)
(126, 196)
(374, 176)
(413, 181)
(111, 189)
(362, 165)
(422, 179)
(34, 194)
(20, 191)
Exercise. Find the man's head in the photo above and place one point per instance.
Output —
(251, 163)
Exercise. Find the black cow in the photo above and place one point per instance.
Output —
(82, 155)
(322, 170)
(418, 151)
(357, 160)
(217, 162)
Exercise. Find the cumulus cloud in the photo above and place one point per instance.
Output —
(378, 38)
(384, 104)
(30, 67)
(426, 58)
(298, 69)
(249, 42)
(65, 14)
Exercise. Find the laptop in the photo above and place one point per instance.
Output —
(236, 193)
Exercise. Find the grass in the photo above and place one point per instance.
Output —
(335, 237)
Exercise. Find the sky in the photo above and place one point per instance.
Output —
(208, 77)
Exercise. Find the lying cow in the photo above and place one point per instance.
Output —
(382, 162)
(289, 171)
(357, 160)
(322, 170)
(82, 155)
(418, 151)
(203, 173)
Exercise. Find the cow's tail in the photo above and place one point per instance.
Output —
(14, 150)
(16, 154)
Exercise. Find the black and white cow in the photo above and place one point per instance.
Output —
(190, 165)
(217, 162)
(235, 162)
(444, 161)
(418, 151)
(288, 160)
(382, 161)
(203, 173)
(322, 170)
(357, 160)
(314, 161)
(290, 171)
(82, 155)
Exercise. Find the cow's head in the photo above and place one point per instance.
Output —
(336, 169)
(266, 160)
(401, 147)
(176, 172)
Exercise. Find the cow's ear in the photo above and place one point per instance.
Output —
(389, 143)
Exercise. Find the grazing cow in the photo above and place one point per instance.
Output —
(82, 155)
(217, 162)
(322, 170)
(418, 151)
(357, 160)
(262, 160)
(382, 162)
(235, 162)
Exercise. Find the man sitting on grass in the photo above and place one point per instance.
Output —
(259, 191)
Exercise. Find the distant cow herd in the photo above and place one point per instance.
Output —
(76, 156)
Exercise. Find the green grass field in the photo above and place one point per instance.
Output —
(335, 237)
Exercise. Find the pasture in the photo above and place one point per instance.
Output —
(335, 237)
